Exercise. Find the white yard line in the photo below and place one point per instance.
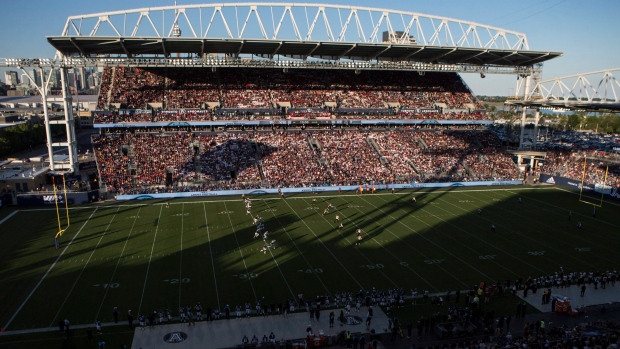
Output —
(83, 268)
(181, 256)
(413, 248)
(324, 245)
(433, 243)
(473, 236)
(359, 251)
(240, 252)
(217, 293)
(148, 267)
(9, 216)
(555, 227)
(118, 262)
(48, 271)
(275, 260)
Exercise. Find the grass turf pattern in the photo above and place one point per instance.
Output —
(144, 256)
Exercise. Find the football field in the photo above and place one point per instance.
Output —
(147, 256)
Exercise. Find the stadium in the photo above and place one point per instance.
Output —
(314, 160)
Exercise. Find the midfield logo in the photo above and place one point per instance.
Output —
(352, 320)
(175, 337)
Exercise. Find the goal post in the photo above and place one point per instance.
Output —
(593, 199)
(60, 229)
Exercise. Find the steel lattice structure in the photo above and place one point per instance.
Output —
(597, 90)
(294, 30)
(307, 22)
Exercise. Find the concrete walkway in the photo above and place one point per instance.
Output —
(591, 296)
(228, 333)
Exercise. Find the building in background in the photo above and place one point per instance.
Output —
(11, 78)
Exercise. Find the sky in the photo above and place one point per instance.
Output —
(585, 31)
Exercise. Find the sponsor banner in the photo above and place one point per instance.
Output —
(87, 165)
(312, 189)
(291, 122)
(566, 182)
(134, 111)
(576, 184)
(50, 198)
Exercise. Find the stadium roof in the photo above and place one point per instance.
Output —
(572, 105)
(148, 46)
(591, 91)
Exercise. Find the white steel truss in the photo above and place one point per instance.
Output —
(295, 21)
(209, 62)
(597, 86)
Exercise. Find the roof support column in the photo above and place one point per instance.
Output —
(526, 92)
(537, 115)
(69, 121)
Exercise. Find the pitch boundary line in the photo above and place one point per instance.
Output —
(439, 191)
(48, 271)
(217, 293)
(148, 267)
(84, 268)
(9, 216)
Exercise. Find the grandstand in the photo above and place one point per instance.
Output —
(255, 115)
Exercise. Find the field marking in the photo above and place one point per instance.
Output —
(148, 267)
(240, 251)
(275, 260)
(398, 238)
(501, 237)
(48, 271)
(300, 253)
(335, 194)
(83, 268)
(412, 247)
(555, 228)
(181, 254)
(568, 191)
(468, 233)
(118, 262)
(354, 241)
(217, 293)
(9, 216)
(425, 238)
(324, 245)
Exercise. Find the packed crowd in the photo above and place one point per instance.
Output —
(570, 164)
(338, 92)
(205, 161)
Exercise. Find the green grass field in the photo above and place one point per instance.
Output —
(143, 256)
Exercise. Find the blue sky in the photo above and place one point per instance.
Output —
(586, 31)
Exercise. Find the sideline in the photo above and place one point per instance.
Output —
(9, 216)
(48, 271)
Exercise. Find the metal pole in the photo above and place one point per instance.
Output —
(48, 126)
(69, 122)
(536, 125)
(524, 112)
